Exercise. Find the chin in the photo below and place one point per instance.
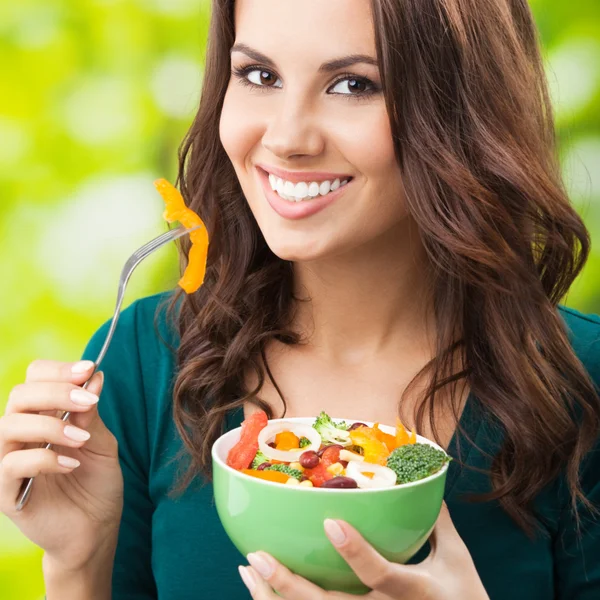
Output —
(297, 250)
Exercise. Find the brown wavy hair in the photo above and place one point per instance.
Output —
(473, 131)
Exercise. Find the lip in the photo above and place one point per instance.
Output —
(297, 210)
(308, 176)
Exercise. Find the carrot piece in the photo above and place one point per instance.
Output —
(275, 476)
(286, 440)
(176, 210)
(243, 453)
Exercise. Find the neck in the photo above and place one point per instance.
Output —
(370, 300)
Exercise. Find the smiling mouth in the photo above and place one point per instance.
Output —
(305, 190)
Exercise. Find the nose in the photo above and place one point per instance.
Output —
(292, 130)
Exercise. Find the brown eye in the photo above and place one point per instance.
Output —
(353, 86)
(356, 85)
(260, 77)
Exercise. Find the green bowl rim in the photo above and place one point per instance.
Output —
(216, 459)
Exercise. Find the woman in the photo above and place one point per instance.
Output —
(425, 286)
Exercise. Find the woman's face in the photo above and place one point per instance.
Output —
(290, 112)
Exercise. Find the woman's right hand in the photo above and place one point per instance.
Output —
(73, 512)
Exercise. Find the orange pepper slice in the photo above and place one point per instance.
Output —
(401, 434)
(286, 440)
(388, 439)
(375, 451)
(276, 476)
(413, 437)
(176, 210)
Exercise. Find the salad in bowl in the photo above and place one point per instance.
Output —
(332, 455)
(276, 481)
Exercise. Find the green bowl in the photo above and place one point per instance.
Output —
(287, 521)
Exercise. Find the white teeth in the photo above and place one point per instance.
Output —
(279, 186)
(302, 190)
(313, 189)
(288, 188)
(324, 188)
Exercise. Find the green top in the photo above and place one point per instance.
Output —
(176, 549)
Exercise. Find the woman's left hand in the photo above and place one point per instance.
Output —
(448, 573)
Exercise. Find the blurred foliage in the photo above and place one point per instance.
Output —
(97, 95)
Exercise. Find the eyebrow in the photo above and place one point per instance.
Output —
(326, 67)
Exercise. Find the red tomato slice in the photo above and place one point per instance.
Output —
(243, 453)
(330, 456)
(319, 475)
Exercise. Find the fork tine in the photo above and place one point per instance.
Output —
(157, 241)
(168, 236)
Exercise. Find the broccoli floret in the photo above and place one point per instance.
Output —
(259, 459)
(304, 441)
(285, 469)
(331, 432)
(412, 462)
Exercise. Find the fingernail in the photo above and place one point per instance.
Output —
(260, 564)
(83, 398)
(68, 462)
(247, 579)
(334, 532)
(76, 434)
(81, 367)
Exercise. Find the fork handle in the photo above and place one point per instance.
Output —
(27, 484)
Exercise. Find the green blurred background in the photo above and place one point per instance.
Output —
(97, 95)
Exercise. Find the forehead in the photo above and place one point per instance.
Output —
(313, 30)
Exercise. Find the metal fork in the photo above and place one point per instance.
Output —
(134, 260)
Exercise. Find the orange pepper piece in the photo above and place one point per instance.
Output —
(286, 440)
(275, 476)
(401, 434)
(375, 451)
(413, 437)
(176, 210)
(388, 439)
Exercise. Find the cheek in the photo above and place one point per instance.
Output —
(377, 158)
(237, 133)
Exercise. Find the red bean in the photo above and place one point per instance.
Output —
(309, 459)
(320, 452)
(340, 482)
(272, 444)
(263, 466)
(356, 426)
(344, 463)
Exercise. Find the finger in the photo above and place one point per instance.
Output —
(54, 371)
(370, 567)
(288, 584)
(102, 442)
(38, 397)
(18, 429)
(17, 466)
(85, 418)
(259, 589)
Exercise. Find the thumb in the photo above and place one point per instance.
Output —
(445, 539)
(102, 441)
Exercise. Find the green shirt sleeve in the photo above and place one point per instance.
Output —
(577, 555)
(123, 410)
